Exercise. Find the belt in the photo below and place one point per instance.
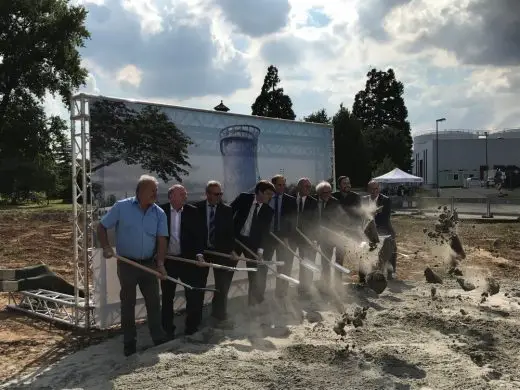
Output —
(147, 260)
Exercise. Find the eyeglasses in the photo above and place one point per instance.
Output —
(215, 193)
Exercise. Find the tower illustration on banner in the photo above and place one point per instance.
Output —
(238, 146)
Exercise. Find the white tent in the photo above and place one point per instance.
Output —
(397, 176)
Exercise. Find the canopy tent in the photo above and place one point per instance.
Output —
(397, 176)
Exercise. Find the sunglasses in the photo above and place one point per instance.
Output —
(215, 193)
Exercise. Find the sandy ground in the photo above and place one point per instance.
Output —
(409, 340)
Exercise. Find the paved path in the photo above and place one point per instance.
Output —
(481, 208)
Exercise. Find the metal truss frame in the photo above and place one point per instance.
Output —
(71, 309)
(74, 310)
(52, 306)
(82, 209)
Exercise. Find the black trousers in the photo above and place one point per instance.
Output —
(223, 281)
(195, 277)
(129, 278)
(255, 293)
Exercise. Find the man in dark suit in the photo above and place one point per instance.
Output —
(186, 239)
(350, 202)
(218, 236)
(284, 207)
(383, 210)
(348, 199)
(328, 213)
(306, 219)
(252, 219)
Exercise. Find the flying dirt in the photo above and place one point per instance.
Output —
(412, 335)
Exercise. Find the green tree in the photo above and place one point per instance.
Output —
(62, 152)
(38, 47)
(350, 152)
(147, 138)
(383, 167)
(272, 102)
(381, 108)
(28, 149)
(319, 116)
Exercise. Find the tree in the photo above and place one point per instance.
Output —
(385, 166)
(272, 102)
(319, 116)
(62, 152)
(146, 137)
(28, 147)
(381, 108)
(350, 151)
(38, 47)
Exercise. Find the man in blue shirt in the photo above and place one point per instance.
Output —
(141, 232)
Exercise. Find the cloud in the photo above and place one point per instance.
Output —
(173, 55)
(478, 32)
(256, 18)
(282, 51)
(317, 18)
(372, 15)
(457, 59)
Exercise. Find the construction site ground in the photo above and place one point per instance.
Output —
(45, 236)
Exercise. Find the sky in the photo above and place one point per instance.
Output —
(458, 59)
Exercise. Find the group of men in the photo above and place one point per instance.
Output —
(253, 226)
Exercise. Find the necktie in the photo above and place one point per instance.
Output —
(211, 229)
(276, 216)
(299, 211)
(254, 221)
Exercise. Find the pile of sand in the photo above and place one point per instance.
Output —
(295, 346)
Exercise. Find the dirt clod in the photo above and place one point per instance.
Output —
(376, 281)
(493, 287)
(455, 271)
(431, 276)
(465, 285)
(456, 246)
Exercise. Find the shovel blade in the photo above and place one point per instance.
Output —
(341, 268)
(288, 278)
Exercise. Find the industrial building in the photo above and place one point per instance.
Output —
(463, 154)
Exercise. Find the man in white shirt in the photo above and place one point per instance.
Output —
(186, 239)
(306, 221)
(252, 221)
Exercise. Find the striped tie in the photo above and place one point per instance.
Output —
(211, 230)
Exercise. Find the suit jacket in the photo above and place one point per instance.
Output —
(348, 201)
(287, 215)
(382, 219)
(192, 225)
(329, 214)
(224, 234)
(306, 220)
(241, 207)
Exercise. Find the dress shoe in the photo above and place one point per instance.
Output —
(224, 324)
(190, 331)
(129, 349)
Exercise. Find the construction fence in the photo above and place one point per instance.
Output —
(499, 206)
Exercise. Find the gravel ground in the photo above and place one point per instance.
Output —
(410, 339)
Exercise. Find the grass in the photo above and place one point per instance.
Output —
(54, 205)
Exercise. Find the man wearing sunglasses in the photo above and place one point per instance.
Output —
(219, 237)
